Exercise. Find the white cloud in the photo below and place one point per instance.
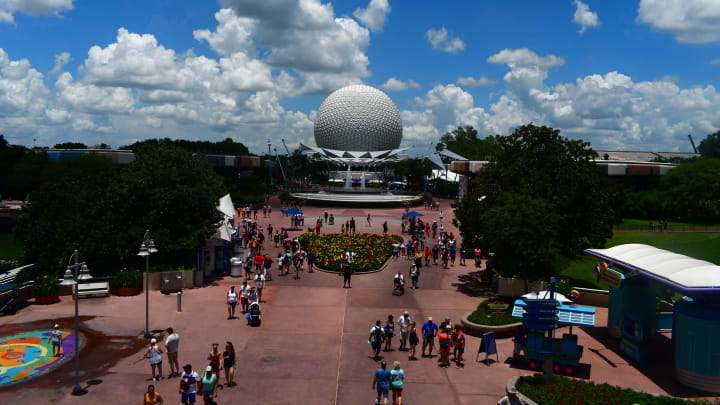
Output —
(609, 110)
(482, 81)
(375, 15)
(60, 60)
(89, 98)
(584, 17)
(690, 21)
(440, 39)
(393, 84)
(32, 7)
(57, 115)
(233, 34)
(22, 90)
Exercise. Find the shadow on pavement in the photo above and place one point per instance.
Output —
(472, 284)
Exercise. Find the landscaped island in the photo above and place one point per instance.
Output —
(371, 251)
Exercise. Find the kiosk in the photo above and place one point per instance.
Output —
(647, 272)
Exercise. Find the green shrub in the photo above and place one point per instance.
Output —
(128, 278)
(569, 391)
(483, 315)
(46, 285)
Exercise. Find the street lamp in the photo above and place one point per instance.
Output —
(147, 247)
(73, 273)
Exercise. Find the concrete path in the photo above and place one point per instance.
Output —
(312, 345)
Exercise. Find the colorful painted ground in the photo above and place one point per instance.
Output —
(28, 354)
(371, 250)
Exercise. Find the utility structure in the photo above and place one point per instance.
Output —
(147, 247)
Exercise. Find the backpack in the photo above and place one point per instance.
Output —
(186, 381)
(413, 271)
(444, 342)
(378, 334)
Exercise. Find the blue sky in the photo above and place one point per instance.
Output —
(635, 75)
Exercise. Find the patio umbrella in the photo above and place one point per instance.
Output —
(413, 214)
(292, 211)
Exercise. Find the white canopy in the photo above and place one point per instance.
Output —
(226, 206)
(675, 268)
(545, 295)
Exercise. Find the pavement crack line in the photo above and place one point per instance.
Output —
(342, 335)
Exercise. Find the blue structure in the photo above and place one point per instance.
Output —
(648, 273)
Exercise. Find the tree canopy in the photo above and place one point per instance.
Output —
(465, 142)
(692, 190)
(538, 178)
(102, 209)
(70, 145)
(415, 170)
(710, 146)
(225, 147)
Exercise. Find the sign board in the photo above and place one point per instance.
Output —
(489, 346)
(611, 277)
(541, 314)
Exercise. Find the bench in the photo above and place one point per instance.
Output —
(94, 288)
(14, 293)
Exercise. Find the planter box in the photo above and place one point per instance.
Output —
(501, 331)
(128, 291)
(46, 299)
(156, 279)
(515, 287)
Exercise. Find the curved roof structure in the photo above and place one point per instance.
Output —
(680, 271)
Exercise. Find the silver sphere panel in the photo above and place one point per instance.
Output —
(358, 118)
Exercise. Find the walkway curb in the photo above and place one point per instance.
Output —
(501, 331)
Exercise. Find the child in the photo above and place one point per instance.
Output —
(56, 340)
(413, 341)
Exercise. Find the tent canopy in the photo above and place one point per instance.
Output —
(292, 211)
(672, 269)
(413, 214)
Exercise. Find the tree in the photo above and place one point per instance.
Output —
(522, 231)
(539, 163)
(225, 147)
(70, 145)
(103, 209)
(692, 190)
(710, 146)
(415, 170)
(465, 142)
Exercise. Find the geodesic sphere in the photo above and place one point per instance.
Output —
(358, 118)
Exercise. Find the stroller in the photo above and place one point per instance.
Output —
(253, 316)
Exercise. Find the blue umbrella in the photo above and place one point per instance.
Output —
(413, 214)
(292, 211)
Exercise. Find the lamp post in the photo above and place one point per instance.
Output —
(77, 271)
(147, 247)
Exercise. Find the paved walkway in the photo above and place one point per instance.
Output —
(312, 345)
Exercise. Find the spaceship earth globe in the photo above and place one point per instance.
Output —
(358, 118)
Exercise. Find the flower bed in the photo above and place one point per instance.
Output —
(569, 391)
(371, 250)
(484, 315)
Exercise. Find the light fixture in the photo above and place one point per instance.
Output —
(151, 247)
(68, 278)
(143, 250)
(84, 273)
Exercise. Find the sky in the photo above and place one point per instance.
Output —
(626, 75)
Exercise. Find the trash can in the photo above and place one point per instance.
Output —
(236, 269)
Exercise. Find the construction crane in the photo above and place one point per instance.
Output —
(282, 171)
(692, 143)
(287, 151)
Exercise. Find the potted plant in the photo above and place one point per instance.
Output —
(128, 282)
(46, 288)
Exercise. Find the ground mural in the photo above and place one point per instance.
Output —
(29, 354)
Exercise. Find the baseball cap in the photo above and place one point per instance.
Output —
(407, 313)
(56, 326)
(429, 318)
(208, 368)
(153, 340)
(512, 390)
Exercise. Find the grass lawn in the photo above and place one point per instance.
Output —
(644, 225)
(704, 246)
(10, 248)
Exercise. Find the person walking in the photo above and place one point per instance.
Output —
(310, 259)
(214, 358)
(244, 295)
(347, 274)
(172, 343)
(369, 224)
(414, 276)
(459, 346)
(442, 215)
(259, 285)
(154, 354)
(404, 324)
(253, 297)
(435, 253)
(444, 349)
(55, 339)
(429, 330)
(428, 255)
(413, 338)
(188, 385)
(231, 298)
(381, 380)
(267, 264)
(397, 375)
(377, 335)
(229, 363)
(389, 332)
(385, 227)
(209, 386)
(151, 397)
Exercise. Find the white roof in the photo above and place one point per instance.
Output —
(676, 268)
(226, 206)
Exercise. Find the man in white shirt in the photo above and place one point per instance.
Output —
(376, 338)
(396, 249)
(259, 284)
(244, 296)
(172, 342)
(188, 385)
(404, 323)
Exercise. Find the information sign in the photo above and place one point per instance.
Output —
(489, 346)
